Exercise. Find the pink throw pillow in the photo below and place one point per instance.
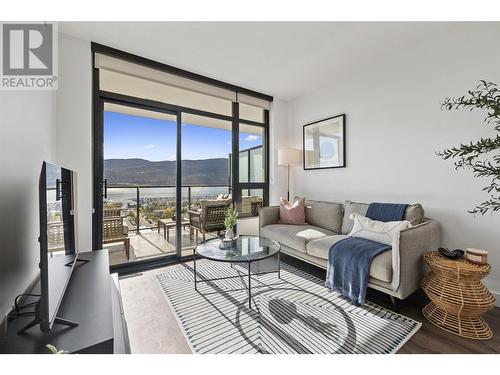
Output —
(293, 213)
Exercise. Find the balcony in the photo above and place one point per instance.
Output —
(139, 221)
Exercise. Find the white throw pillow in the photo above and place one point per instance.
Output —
(378, 231)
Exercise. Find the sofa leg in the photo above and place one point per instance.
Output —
(395, 303)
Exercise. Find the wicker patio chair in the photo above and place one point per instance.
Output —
(256, 206)
(250, 206)
(113, 230)
(111, 212)
(55, 236)
(209, 218)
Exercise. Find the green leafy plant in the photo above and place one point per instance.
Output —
(231, 218)
(482, 156)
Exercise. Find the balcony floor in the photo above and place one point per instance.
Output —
(150, 244)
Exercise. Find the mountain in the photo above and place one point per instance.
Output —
(145, 172)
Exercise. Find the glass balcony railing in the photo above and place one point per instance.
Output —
(142, 206)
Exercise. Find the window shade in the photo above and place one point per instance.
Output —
(144, 82)
(135, 70)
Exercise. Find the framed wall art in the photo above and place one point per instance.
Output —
(324, 143)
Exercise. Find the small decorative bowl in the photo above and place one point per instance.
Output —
(477, 256)
(451, 254)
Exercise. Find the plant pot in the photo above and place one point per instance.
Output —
(229, 234)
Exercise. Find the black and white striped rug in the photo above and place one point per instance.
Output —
(294, 314)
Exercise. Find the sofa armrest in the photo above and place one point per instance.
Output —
(269, 215)
(414, 242)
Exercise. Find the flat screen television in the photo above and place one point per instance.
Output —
(58, 253)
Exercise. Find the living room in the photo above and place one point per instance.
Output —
(261, 187)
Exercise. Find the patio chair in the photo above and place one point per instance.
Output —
(250, 205)
(55, 234)
(113, 230)
(111, 212)
(209, 218)
(256, 206)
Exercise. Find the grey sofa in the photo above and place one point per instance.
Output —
(397, 274)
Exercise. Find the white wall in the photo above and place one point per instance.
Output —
(27, 127)
(395, 125)
(74, 126)
(278, 138)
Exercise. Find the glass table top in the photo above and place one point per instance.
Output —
(243, 249)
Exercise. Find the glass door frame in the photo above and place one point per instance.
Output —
(99, 97)
(99, 187)
(98, 155)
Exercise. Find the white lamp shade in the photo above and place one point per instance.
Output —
(289, 156)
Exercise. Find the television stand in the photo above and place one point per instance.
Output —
(92, 299)
(76, 261)
(36, 321)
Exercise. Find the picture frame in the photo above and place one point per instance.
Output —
(324, 143)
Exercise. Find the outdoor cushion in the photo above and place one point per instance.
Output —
(324, 214)
(294, 236)
(381, 267)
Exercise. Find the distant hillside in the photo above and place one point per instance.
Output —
(145, 172)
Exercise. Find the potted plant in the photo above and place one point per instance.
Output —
(230, 222)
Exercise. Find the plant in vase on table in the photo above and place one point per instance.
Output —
(230, 222)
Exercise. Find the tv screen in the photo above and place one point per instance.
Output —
(58, 253)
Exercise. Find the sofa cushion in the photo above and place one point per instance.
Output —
(325, 215)
(378, 231)
(321, 247)
(294, 236)
(352, 208)
(414, 214)
(292, 213)
(381, 267)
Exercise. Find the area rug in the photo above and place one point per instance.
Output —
(294, 314)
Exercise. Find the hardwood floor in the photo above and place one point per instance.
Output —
(153, 328)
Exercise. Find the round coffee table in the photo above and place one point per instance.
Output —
(458, 297)
(245, 249)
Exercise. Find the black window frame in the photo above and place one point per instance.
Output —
(99, 97)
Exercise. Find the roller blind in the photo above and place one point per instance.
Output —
(117, 75)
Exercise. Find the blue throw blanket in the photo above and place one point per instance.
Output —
(349, 264)
(350, 259)
(386, 211)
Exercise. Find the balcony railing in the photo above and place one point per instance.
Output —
(147, 203)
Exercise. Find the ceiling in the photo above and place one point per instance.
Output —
(283, 59)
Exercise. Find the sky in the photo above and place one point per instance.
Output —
(128, 136)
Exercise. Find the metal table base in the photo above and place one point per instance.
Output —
(278, 271)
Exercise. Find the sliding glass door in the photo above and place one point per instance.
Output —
(172, 151)
(206, 177)
(139, 183)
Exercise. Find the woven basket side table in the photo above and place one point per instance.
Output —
(458, 297)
